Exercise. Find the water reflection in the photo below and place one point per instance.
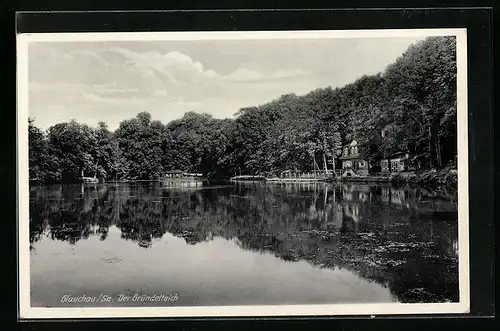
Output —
(404, 239)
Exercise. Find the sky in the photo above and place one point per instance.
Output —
(113, 81)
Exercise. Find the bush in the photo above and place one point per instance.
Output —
(451, 180)
(412, 178)
(397, 178)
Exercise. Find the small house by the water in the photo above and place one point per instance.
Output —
(352, 162)
(86, 179)
(399, 162)
(193, 175)
(179, 175)
(173, 174)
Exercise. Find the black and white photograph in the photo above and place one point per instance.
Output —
(261, 173)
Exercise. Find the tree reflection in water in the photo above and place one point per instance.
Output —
(403, 238)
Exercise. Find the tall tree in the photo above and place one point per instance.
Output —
(423, 85)
(73, 145)
(43, 165)
(141, 144)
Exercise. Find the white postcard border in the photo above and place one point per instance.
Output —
(27, 312)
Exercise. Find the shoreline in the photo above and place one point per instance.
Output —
(436, 179)
(430, 178)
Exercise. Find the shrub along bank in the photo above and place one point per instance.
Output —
(444, 178)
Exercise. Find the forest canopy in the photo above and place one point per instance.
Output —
(408, 108)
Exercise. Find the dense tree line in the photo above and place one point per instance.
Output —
(410, 108)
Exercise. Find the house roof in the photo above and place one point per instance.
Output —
(399, 155)
(403, 156)
(291, 170)
(351, 144)
(349, 157)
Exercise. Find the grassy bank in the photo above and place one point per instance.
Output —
(445, 178)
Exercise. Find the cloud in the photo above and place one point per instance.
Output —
(282, 74)
(146, 69)
(178, 68)
(88, 55)
(174, 67)
(114, 90)
(85, 83)
(245, 75)
(159, 93)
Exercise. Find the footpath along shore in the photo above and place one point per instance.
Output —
(431, 178)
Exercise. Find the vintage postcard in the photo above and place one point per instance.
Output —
(278, 173)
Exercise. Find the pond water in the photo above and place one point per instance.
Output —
(248, 243)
